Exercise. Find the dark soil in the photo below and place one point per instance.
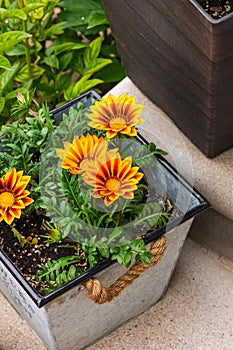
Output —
(217, 8)
(28, 259)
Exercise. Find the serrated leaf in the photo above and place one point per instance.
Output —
(72, 272)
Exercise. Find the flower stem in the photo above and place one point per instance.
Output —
(119, 218)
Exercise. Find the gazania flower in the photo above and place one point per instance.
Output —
(81, 151)
(112, 179)
(13, 196)
(116, 115)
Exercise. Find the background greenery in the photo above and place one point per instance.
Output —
(54, 50)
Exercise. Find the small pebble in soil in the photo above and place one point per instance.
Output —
(217, 8)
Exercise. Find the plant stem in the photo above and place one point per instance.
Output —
(66, 177)
(27, 49)
(119, 218)
(27, 52)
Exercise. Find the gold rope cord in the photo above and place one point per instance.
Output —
(100, 294)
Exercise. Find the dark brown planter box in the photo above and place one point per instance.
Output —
(182, 59)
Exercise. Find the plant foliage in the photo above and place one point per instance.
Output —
(61, 49)
(66, 201)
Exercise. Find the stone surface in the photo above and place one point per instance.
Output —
(212, 177)
(196, 312)
(73, 321)
(215, 232)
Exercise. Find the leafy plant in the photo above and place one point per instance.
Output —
(43, 47)
(87, 184)
(57, 272)
(24, 240)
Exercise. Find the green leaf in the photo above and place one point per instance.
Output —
(82, 5)
(52, 61)
(115, 234)
(56, 29)
(96, 19)
(145, 259)
(92, 52)
(88, 85)
(10, 39)
(152, 215)
(65, 47)
(127, 259)
(2, 103)
(4, 63)
(98, 65)
(65, 60)
(7, 76)
(114, 72)
(104, 251)
(77, 62)
(16, 50)
(64, 81)
(8, 14)
(23, 76)
(80, 87)
(32, 7)
(12, 94)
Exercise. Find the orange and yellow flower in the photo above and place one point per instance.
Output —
(77, 155)
(112, 179)
(13, 196)
(116, 115)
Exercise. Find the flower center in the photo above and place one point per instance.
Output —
(117, 123)
(7, 199)
(112, 184)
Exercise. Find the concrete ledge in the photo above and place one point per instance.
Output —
(197, 310)
(215, 232)
(196, 313)
(212, 177)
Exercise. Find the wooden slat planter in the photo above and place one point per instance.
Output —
(182, 60)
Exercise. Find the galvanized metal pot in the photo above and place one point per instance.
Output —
(67, 318)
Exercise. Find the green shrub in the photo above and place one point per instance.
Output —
(57, 49)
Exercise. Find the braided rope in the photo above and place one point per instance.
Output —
(100, 294)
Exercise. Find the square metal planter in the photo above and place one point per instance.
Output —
(67, 318)
(181, 58)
